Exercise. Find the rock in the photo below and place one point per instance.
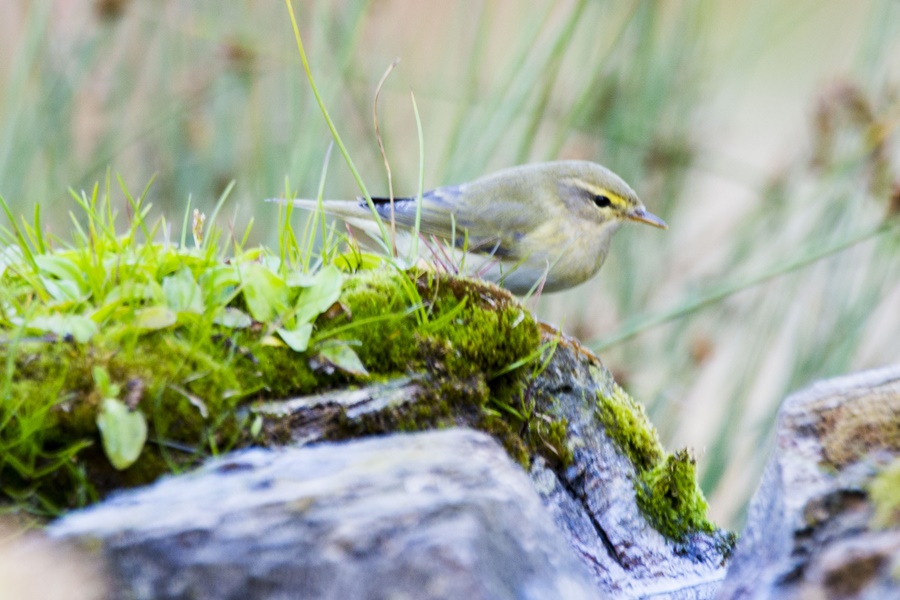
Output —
(594, 500)
(825, 521)
(592, 495)
(607, 513)
(441, 514)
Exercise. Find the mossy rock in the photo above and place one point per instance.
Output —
(474, 352)
(192, 381)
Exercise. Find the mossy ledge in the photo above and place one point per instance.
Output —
(167, 338)
(665, 484)
(472, 342)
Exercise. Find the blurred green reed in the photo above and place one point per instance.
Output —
(202, 94)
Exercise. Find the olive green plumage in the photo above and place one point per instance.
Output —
(547, 222)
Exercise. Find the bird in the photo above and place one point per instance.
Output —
(540, 226)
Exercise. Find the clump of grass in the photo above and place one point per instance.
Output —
(113, 332)
(126, 357)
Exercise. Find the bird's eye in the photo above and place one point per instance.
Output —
(602, 201)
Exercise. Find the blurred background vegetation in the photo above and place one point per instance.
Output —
(764, 132)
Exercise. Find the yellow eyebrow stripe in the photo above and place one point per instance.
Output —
(598, 191)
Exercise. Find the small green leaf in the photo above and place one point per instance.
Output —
(61, 277)
(233, 318)
(62, 290)
(300, 279)
(133, 291)
(104, 384)
(256, 426)
(266, 294)
(297, 338)
(122, 431)
(344, 358)
(154, 318)
(318, 297)
(182, 292)
(351, 262)
(80, 327)
(60, 267)
(10, 255)
(219, 283)
(271, 340)
(194, 400)
(171, 260)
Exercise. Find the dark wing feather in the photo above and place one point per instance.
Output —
(438, 218)
(479, 231)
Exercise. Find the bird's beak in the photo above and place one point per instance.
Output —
(642, 215)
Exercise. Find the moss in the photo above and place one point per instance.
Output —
(149, 318)
(475, 326)
(466, 332)
(458, 337)
(183, 388)
(665, 484)
(386, 342)
(884, 493)
(281, 373)
(670, 498)
(489, 329)
(627, 424)
(518, 447)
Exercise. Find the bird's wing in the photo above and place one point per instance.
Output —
(478, 229)
(491, 226)
(437, 216)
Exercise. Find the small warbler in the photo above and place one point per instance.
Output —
(546, 223)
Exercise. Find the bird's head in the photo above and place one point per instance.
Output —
(591, 191)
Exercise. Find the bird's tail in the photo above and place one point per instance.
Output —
(339, 208)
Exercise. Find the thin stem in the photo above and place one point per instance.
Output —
(334, 133)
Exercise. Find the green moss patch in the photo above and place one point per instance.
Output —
(627, 424)
(665, 484)
(668, 494)
(465, 337)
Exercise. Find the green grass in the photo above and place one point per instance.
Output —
(197, 99)
(120, 318)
